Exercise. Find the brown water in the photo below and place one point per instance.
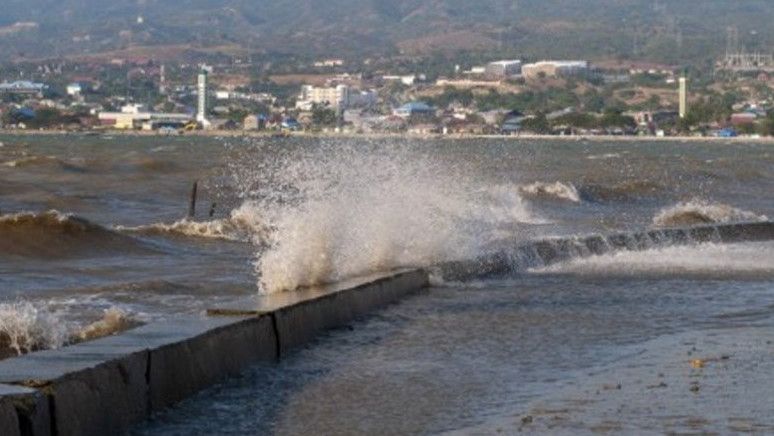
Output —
(92, 223)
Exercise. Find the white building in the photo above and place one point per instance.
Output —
(503, 69)
(339, 97)
(135, 115)
(201, 89)
(74, 89)
(554, 68)
(683, 97)
(406, 80)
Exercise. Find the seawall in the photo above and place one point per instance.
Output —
(521, 257)
(107, 385)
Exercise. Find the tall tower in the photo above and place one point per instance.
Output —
(162, 80)
(683, 96)
(201, 110)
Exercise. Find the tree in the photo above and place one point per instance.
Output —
(322, 116)
(538, 124)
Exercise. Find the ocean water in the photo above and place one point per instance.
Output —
(94, 228)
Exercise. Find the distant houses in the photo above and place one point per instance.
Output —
(554, 69)
(415, 109)
(23, 87)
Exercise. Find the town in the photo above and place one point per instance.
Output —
(734, 97)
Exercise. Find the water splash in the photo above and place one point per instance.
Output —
(25, 327)
(340, 210)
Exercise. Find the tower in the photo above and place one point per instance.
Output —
(201, 89)
(162, 80)
(683, 96)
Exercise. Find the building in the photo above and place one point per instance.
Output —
(74, 89)
(23, 87)
(339, 97)
(329, 63)
(334, 97)
(743, 119)
(201, 109)
(134, 116)
(554, 69)
(503, 69)
(254, 122)
(414, 109)
(683, 97)
(408, 80)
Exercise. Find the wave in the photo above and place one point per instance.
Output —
(53, 234)
(43, 162)
(243, 225)
(703, 212)
(341, 209)
(553, 191)
(114, 320)
(25, 327)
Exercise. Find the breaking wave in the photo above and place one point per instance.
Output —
(53, 234)
(25, 328)
(243, 225)
(555, 191)
(114, 320)
(703, 212)
(342, 210)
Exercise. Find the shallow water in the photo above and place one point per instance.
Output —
(468, 356)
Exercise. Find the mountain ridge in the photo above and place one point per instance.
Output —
(558, 28)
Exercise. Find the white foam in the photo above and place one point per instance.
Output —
(699, 211)
(556, 190)
(28, 327)
(337, 211)
(747, 258)
(243, 224)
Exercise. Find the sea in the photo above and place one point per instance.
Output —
(96, 229)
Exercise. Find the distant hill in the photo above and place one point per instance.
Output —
(660, 30)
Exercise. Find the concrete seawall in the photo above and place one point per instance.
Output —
(107, 385)
(521, 257)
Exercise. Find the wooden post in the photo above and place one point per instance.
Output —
(212, 209)
(192, 202)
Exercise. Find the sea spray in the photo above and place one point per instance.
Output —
(338, 210)
(25, 327)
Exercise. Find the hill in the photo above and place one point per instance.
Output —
(666, 31)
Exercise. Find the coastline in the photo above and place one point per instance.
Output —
(331, 135)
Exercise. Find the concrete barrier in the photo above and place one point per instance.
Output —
(23, 411)
(549, 251)
(104, 386)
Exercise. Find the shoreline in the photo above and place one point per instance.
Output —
(331, 135)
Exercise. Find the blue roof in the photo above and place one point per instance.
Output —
(22, 84)
(416, 106)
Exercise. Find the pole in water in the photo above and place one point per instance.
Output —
(212, 209)
(192, 203)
